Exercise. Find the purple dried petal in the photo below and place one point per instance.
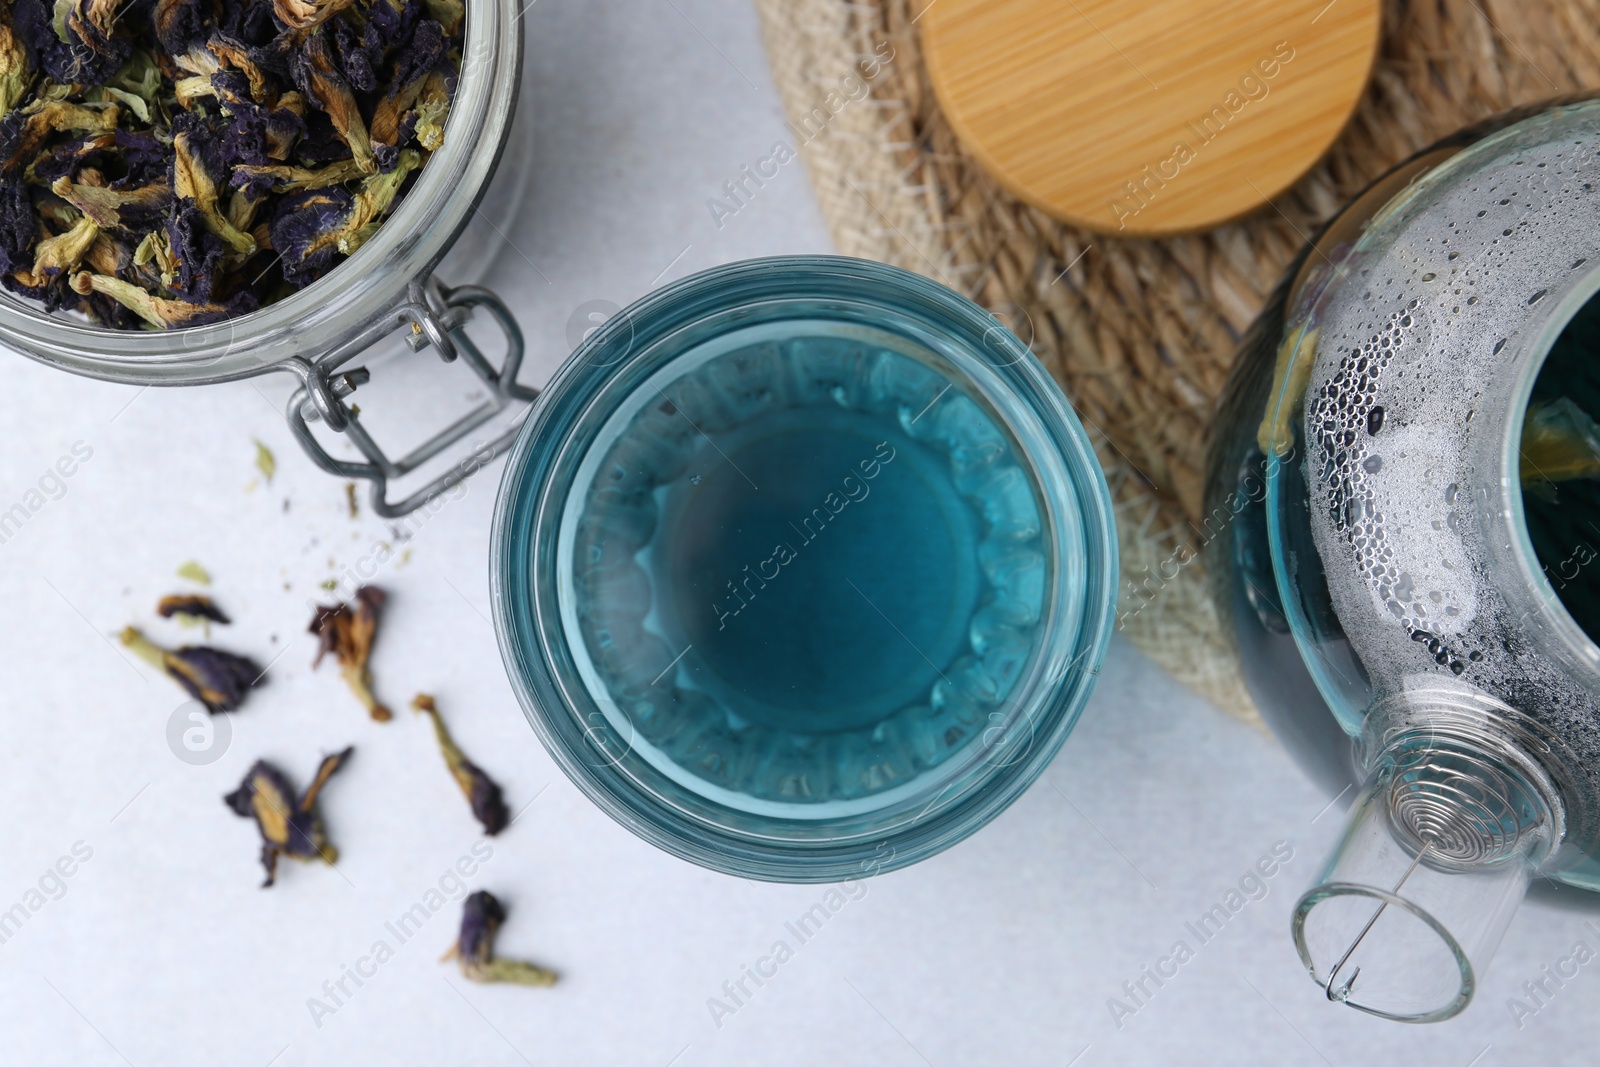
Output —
(394, 21)
(180, 25)
(302, 218)
(144, 157)
(97, 45)
(34, 20)
(481, 916)
(198, 251)
(249, 22)
(67, 159)
(289, 826)
(217, 679)
(19, 225)
(357, 54)
(412, 68)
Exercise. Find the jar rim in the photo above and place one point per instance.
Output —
(336, 307)
(525, 576)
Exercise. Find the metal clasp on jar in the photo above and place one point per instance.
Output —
(432, 316)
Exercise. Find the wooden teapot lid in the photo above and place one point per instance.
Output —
(1148, 117)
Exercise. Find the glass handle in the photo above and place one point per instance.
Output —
(433, 316)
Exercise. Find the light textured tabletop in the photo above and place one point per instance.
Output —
(160, 950)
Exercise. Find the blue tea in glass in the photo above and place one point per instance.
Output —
(807, 568)
(803, 568)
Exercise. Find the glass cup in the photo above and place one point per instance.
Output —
(803, 568)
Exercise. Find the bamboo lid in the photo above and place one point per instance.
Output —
(1148, 118)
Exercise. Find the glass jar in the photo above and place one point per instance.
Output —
(387, 286)
(803, 568)
(1366, 510)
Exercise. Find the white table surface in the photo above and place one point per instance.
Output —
(162, 950)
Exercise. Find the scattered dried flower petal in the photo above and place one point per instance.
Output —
(288, 827)
(481, 916)
(217, 679)
(266, 462)
(488, 803)
(349, 635)
(192, 570)
(191, 605)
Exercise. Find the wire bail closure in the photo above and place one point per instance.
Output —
(433, 316)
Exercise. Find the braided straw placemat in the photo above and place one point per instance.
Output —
(1140, 333)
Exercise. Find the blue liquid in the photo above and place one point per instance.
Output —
(807, 573)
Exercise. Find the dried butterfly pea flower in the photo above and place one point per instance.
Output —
(73, 158)
(15, 78)
(307, 14)
(488, 804)
(313, 70)
(234, 55)
(194, 162)
(288, 827)
(191, 606)
(89, 29)
(411, 70)
(217, 679)
(433, 107)
(127, 209)
(107, 255)
(152, 309)
(449, 14)
(285, 179)
(58, 254)
(178, 24)
(369, 205)
(481, 917)
(349, 635)
(23, 131)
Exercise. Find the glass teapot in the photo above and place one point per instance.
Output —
(1398, 500)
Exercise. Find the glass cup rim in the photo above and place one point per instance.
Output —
(527, 517)
(317, 319)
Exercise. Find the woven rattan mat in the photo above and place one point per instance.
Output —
(1140, 333)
